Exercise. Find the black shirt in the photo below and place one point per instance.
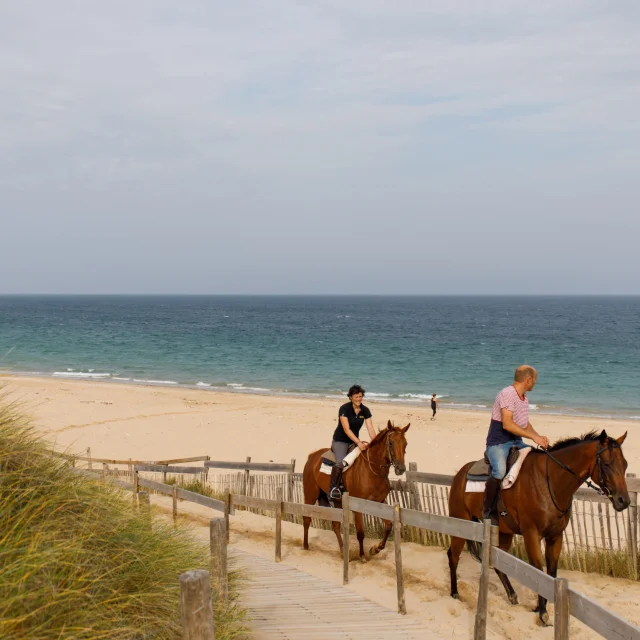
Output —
(355, 421)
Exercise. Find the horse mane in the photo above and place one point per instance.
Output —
(381, 434)
(564, 443)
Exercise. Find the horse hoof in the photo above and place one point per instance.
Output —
(544, 619)
(373, 551)
(513, 599)
(363, 559)
(455, 596)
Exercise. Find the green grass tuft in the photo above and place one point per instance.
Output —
(76, 560)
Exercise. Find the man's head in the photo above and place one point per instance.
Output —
(356, 393)
(526, 376)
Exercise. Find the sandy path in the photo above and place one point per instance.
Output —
(426, 577)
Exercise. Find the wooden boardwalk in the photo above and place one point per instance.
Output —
(286, 604)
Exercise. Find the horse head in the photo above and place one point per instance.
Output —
(396, 446)
(609, 471)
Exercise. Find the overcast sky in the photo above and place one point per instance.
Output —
(361, 146)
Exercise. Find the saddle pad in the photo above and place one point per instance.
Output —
(476, 486)
(329, 460)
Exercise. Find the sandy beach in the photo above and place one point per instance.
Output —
(144, 422)
(118, 421)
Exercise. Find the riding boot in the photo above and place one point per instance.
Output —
(336, 480)
(491, 495)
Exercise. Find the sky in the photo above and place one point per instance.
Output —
(369, 146)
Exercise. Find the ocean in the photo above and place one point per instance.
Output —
(401, 349)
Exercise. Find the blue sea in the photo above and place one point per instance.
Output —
(401, 349)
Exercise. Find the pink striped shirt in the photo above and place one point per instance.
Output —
(509, 399)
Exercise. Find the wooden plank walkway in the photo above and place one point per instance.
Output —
(286, 604)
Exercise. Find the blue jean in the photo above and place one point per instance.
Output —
(498, 454)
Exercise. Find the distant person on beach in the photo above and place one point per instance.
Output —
(351, 417)
(509, 424)
(434, 406)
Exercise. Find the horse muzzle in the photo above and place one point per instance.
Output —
(399, 468)
(619, 501)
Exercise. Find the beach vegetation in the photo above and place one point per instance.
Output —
(77, 561)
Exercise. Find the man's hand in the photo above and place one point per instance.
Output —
(363, 445)
(541, 441)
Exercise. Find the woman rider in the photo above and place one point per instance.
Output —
(351, 416)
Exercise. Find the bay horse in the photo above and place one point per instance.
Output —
(540, 501)
(367, 478)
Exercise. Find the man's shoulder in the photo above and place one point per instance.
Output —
(507, 392)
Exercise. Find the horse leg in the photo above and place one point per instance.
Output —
(336, 530)
(360, 535)
(305, 523)
(505, 545)
(312, 493)
(377, 548)
(532, 541)
(453, 553)
(553, 547)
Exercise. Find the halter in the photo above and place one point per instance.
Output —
(604, 491)
(389, 458)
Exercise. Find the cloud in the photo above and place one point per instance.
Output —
(273, 108)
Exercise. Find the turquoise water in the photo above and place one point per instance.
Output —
(401, 349)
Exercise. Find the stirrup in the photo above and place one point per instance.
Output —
(335, 493)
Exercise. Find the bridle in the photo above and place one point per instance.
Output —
(604, 491)
(389, 458)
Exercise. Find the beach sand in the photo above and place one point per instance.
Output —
(118, 421)
(155, 423)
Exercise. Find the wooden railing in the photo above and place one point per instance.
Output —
(568, 602)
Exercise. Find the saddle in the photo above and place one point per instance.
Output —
(481, 469)
(329, 459)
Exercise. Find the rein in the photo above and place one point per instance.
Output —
(606, 493)
(382, 466)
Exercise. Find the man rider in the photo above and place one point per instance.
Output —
(509, 424)
(351, 417)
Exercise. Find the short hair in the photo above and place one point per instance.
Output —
(523, 372)
(355, 390)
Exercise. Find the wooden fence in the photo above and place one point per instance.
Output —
(568, 602)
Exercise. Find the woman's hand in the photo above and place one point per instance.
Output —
(363, 445)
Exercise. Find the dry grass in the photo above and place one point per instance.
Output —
(76, 560)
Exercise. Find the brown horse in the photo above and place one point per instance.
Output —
(540, 501)
(367, 478)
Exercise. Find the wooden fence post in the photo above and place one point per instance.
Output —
(218, 546)
(345, 537)
(196, 611)
(279, 524)
(246, 478)
(397, 541)
(480, 627)
(561, 609)
(175, 501)
(290, 487)
(89, 465)
(130, 469)
(145, 505)
(227, 509)
(136, 486)
(632, 536)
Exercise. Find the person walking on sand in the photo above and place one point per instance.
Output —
(434, 405)
(351, 417)
(509, 424)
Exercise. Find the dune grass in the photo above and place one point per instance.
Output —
(77, 561)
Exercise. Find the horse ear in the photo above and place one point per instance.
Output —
(622, 438)
(389, 425)
(407, 429)
(603, 437)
